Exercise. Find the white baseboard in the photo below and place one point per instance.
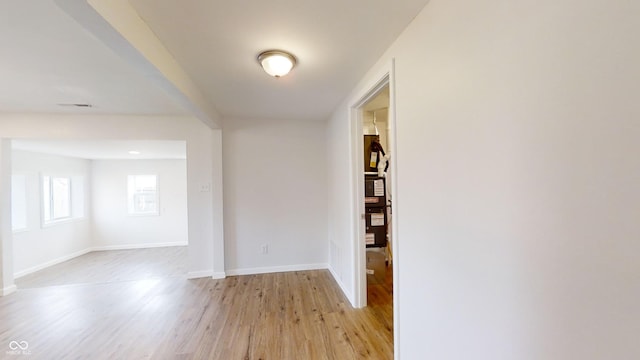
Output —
(138, 246)
(276, 269)
(62, 259)
(59, 260)
(206, 273)
(199, 274)
(219, 275)
(8, 290)
(342, 287)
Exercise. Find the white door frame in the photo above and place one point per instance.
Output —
(384, 77)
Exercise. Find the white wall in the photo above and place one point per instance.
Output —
(340, 211)
(113, 227)
(7, 285)
(38, 246)
(204, 167)
(275, 194)
(517, 174)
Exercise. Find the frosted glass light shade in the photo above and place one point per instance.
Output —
(276, 63)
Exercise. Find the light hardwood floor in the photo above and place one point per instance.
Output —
(162, 315)
(112, 266)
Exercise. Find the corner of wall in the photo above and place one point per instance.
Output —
(344, 289)
(8, 290)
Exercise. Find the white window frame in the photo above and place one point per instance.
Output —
(73, 212)
(130, 196)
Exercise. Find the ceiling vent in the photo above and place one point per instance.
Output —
(76, 105)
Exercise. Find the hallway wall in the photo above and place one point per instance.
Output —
(517, 175)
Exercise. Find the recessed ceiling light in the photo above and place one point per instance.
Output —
(134, 152)
(276, 63)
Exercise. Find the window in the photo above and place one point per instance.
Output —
(56, 198)
(18, 202)
(62, 198)
(143, 194)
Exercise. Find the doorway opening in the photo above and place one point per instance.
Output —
(374, 204)
(373, 181)
(378, 212)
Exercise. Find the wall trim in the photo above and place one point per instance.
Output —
(349, 295)
(138, 246)
(56, 261)
(199, 274)
(383, 78)
(219, 275)
(8, 290)
(275, 269)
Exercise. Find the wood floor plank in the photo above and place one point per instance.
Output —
(156, 313)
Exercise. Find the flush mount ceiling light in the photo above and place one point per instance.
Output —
(134, 152)
(276, 63)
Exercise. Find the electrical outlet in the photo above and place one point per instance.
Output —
(264, 249)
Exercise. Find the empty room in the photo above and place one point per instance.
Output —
(408, 179)
(99, 211)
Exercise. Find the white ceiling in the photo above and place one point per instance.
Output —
(335, 42)
(47, 58)
(106, 149)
